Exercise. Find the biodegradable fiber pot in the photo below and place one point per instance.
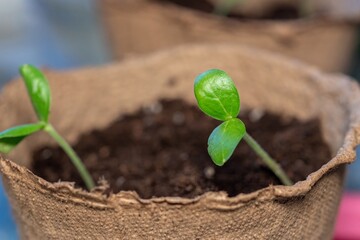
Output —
(91, 98)
(142, 26)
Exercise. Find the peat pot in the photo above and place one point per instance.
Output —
(143, 26)
(91, 98)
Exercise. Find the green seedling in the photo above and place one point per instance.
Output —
(218, 98)
(224, 7)
(40, 96)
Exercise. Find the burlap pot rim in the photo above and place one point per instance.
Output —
(217, 200)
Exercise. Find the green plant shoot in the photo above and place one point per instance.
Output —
(218, 98)
(224, 7)
(39, 92)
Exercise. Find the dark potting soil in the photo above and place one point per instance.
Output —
(277, 12)
(161, 150)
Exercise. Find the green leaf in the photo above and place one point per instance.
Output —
(217, 95)
(38, 89)
(224, 139)
(13, 136)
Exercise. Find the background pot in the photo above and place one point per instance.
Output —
(345, 9)
(141, 26)
(306, 210)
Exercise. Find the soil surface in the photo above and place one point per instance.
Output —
(277, 12)
(161, 150)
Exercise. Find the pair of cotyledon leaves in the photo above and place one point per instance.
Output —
(218, 97)
(39, 92)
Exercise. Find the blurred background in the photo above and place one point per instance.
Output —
(65, 34)
(57, 34)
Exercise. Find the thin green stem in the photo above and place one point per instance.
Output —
(271, 163)
(72, 155)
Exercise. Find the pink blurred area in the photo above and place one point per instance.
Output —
(348, 220)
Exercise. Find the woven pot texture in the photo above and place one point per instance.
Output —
(91, 98)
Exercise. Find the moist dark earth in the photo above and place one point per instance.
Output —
(161, 150)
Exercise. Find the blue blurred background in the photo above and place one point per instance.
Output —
(65, 34)
(54, 33)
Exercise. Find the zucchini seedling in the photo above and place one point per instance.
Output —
(39, 92)
(218, 98)
(224, 7)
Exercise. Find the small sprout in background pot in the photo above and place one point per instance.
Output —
(40, 96)
(224, 7)
(218, 97)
